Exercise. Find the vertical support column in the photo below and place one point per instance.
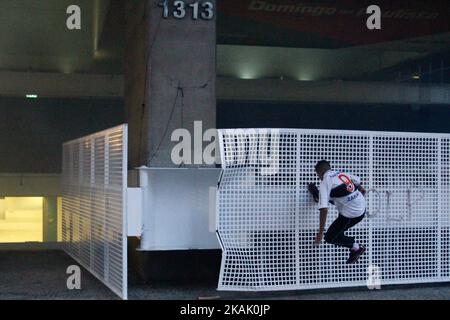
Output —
(439, 211)
(91, 200)
(297, 212)
(371, 248)
(148, 224)
(50, 212)
(136, 76)
(2, 208)
(106, 261)
(71, 184)
(59, 218)
(80, 203)
(125, 214)
(170, 77)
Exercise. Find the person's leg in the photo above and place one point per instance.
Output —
(355, 221)
(357, 250)
(336, 232)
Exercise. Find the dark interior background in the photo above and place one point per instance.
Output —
(377, 117)
(33, 131)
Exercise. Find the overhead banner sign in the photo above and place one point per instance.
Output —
(328, 23)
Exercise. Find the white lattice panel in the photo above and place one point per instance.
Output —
(267, 221)
(94, 204)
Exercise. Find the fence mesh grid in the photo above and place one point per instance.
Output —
(93, 205)
(267, 220)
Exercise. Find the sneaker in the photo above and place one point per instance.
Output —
(354, 255)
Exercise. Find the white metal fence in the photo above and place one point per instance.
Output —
(267, 221)
(93, 205)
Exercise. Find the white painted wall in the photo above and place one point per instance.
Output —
(176, 209)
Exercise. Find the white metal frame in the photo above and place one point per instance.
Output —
(182, 224)
(266, 220)
(94, 219)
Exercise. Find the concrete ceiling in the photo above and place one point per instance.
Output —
(306, 64)
(34, 37)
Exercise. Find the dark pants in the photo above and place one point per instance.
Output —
(336, 232)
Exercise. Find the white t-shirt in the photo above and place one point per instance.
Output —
(340, 187)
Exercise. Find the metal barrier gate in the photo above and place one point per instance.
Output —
(94, 205)
(267, 221)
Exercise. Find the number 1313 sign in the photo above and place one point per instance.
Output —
(180, 9)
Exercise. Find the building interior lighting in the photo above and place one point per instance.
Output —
(21, 219)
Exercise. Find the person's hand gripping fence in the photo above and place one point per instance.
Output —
(313, 191)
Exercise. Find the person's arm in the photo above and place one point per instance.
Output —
(315, 192)
(324, 198)
(323, 221)
(357, 182)
(361, 189)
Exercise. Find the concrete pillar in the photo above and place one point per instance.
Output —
(170, 75)
(50, 208)
(2, 208)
